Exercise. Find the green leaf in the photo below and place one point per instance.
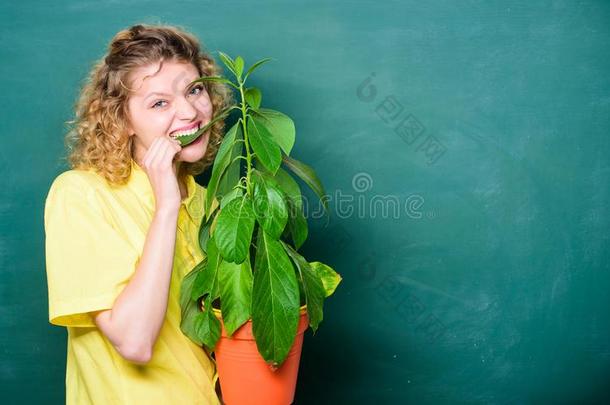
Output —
(204, 231)
(309, 176)
(297, 224)
(267, 151)
(290, 187)
(275, 300)
(233, 232)
(226, 59)
(231, 176)
(253, 97)
(189, 308)
(221, 162)
(207, 326)
(269, 206)
(191, 138)
(235, 294)
(217, 79)
(255, 66)
(312, 285)
(206, 282)
(235, 193)
(238, 64)
(279, 125)
(330, 278)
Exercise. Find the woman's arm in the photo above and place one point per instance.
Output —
(137, 315)
(134, 322)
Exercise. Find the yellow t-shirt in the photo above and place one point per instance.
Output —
(94, 239)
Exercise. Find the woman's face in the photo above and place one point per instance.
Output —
(163, 104)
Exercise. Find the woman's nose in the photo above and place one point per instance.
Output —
(185, 109)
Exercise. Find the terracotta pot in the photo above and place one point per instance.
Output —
(245, 378)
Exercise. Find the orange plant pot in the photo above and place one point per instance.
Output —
(245, 378)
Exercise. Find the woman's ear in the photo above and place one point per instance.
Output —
(126, 124)
(129, 130)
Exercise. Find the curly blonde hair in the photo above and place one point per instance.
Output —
(98, 138)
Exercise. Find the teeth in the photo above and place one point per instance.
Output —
(186, 133)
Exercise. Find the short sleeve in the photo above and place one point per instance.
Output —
(88, 263)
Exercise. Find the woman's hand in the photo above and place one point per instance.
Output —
(159, 165)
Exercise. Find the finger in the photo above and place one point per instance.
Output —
(159, 158)
(163, 145)
(151, 152)
(175, 147)
(178, 145)
(167, 152)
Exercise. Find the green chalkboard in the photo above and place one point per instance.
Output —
(465, 149)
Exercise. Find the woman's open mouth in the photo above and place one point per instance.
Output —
(188, 137)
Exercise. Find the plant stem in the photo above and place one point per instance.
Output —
(248, 156)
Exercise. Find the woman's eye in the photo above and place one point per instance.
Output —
(157, 103)
(198, 87)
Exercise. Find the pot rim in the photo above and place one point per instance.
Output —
(218, 312)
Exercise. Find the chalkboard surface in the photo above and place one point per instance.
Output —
(464, 146)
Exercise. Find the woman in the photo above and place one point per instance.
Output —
(121, 225)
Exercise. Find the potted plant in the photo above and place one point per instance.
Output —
(250, 300)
